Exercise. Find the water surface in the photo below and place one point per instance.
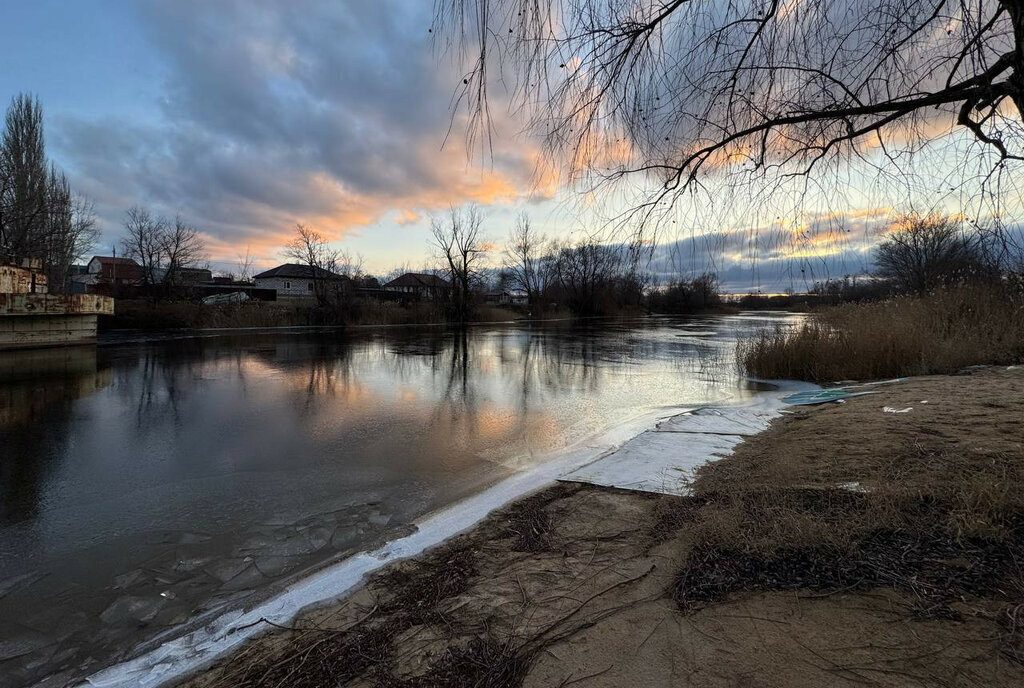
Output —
(144, 485)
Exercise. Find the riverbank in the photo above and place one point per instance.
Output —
(846, 545)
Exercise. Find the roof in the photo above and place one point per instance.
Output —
(111, 260)
(418, 279)
(297, 271)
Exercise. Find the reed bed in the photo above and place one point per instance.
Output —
(941, 332)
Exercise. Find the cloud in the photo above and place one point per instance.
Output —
(271, 113)
(779, 256)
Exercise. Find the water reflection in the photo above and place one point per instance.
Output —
(145, 485)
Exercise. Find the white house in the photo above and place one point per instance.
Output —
(292, 280)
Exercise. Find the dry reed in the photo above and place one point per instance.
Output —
(938, 333)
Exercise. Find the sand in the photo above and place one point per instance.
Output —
(580, 585)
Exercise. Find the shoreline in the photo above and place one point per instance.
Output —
(179, 658)
(116, 337)
(779, 566)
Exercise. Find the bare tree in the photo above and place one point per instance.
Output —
(70, 230)
(461, 247)
(181, 247)
(310, 248)
(682, 91)
(163, 249)
(143, 241)
(925, 252)
(349, 265)
(245, 264)
(52, 239)
(585, 272)
(85, 232)
(524, 258)
(24, 180)
(40, 217)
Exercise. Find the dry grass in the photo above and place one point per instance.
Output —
(938, 518)
(528, 521)
(146, 315)
(938, 333)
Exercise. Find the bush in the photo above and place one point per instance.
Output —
(940, 332)
(924, 252)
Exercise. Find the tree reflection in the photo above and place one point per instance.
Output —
(38, 389)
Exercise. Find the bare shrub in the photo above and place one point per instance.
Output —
(926, 252)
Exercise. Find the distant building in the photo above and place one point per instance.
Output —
(420, 285)
(507, 297)
(104, 275)
(114, 270)
(292, 280)
(185, 276)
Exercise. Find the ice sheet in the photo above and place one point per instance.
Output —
(656, 461)
(728, 421)
(663, 460)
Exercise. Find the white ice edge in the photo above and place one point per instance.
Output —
(177, 658)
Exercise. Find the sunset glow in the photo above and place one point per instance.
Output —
(249, 117)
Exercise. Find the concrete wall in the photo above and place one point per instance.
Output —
(31, 305)
(46, 330)
(20, 281)
(287, 287)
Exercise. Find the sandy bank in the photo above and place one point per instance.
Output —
(768, 575)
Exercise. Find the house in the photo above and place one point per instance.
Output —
(114, 270)
(293, 280)
(419, 285)
(507, 297)
(104, 275)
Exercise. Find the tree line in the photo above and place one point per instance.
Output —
(921, 253)
(916, 255)
(583, 275)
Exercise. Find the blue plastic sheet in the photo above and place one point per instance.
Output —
(821, 396)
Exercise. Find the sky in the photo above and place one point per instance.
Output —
(248, 116)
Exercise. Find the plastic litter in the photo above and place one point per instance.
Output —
(232, 297)
(890, 409)
(822, 396)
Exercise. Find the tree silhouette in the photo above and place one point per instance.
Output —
(762, 91)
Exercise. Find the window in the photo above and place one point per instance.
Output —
(309, 286)
(287, 285)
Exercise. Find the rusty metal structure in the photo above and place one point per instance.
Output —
(30, 316)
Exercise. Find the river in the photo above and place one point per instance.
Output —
(148, 485)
